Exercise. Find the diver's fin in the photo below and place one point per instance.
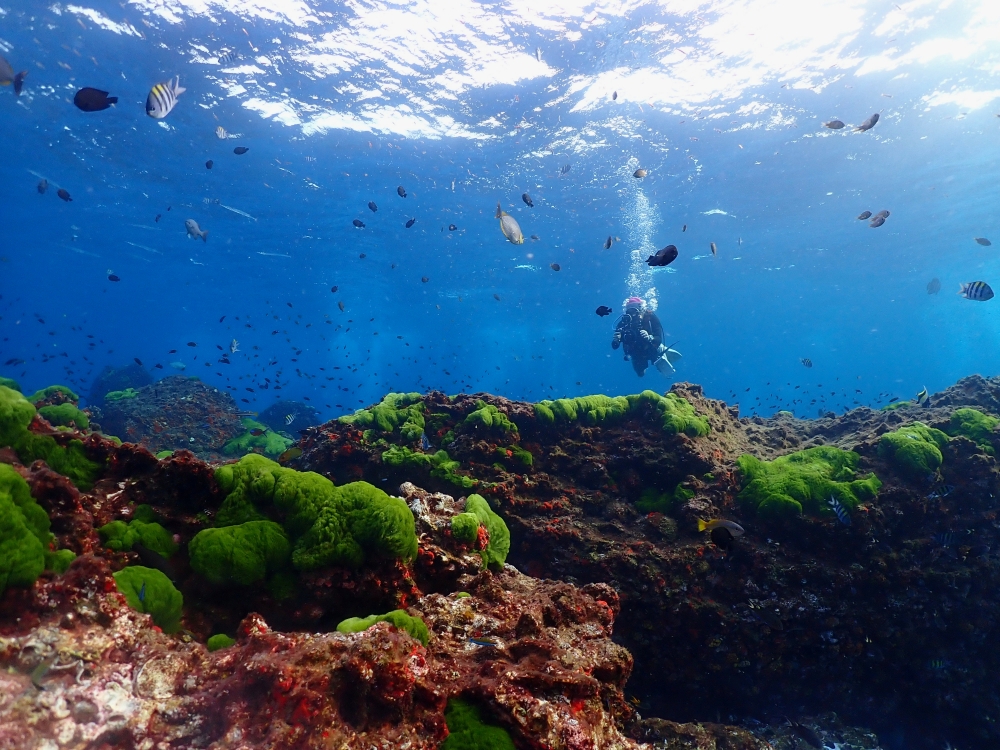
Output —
(672, 355)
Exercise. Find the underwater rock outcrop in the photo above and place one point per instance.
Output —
(174, 413)
(179, 581)
(809, 610)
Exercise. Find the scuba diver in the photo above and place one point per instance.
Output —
(640, 335)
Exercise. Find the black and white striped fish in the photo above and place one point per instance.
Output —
(838, 507)
(977, 290)
(228, 57)
(163, 97)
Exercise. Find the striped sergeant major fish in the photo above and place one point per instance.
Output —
(163, 98)
(977, 290)
(838, 507)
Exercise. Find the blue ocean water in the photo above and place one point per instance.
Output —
(466, 104)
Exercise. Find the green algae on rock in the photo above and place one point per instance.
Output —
(915, 449)
(980, 428)
(24, 532)
(120, 536)
(12, 384)
(269, 442)
(652, 501)
(16, 414)
(468, 731)
(675, 413)
(465, 528)
(65, 415)
(397, 410)
(398, 618)
(328, 525)
(246, 554)
(219, 641)
(150, 591)
(59, 392)
(487, 418)
(120, 395)
(804, 480)
(440, 464)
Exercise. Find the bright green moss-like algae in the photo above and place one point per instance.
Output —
(325, 525)
(16, 413)
(676, 415)
(468, 731)
(914, 449)
(439, 464)
(402, 411)
(398, 618)
(980, 428)
(804, 481)
(465, 528)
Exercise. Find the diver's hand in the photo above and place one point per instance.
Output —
(646, 335)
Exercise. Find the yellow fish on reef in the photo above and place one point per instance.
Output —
(509, 226)
(717, 523)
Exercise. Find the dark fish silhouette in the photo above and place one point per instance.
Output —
(372, 206)
(334, 289)
(614, 96)
(452, 228)
(43, 185)
(983, 241)
(240, 150)
(663, 257)
(64, 194)
(881, 214)
(864, 215)
(869, 123)
(721, 538)
(640, 173)
(358, 223)
(209, 164)
(113, 277)
(684, 228)
(806, 362)
(608, 242)
(833, 124)
(555, 266)
(410, 223)
(564, 169)
(934, 286)
(424, 279)
(401, 191)
(877, 221)
(604, 310)
(93, 100)
(137, 361)
(527, 199)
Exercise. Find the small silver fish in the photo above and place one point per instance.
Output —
(195, 231)
(178, 365)
(221, 134)
(538, 54)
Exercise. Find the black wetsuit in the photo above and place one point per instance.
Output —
(640, 350)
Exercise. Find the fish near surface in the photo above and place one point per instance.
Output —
(527, 199)
(833, 124)
(640, 173)
(934, 286)
(877, 221)
(983, 241)
(163, 98)
(509, 226)
(868, 124)
(194, 231)
(663, 257)
(401, 191)
(979, 291)
(609, 242)
(864, 215)
(604, 310)
(410, 223)
(8, 76)
(64, 194)
(89, 99)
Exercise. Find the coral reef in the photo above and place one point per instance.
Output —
(174, 413)
(235, 637)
